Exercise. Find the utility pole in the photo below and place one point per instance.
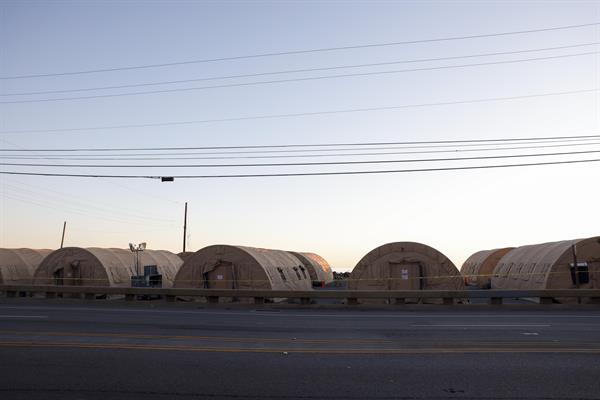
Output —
(184, 225)
(62, 240)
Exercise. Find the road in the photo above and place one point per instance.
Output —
(107, 350)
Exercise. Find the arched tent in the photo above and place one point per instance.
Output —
(18, 265)
(405, 266)
(477, 270)
(318, 268)
(103, 267)
(548, 266)
(238, 267)
(184, 255)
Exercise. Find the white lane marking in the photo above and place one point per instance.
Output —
(23, 316)
(479, 326)
(530, 333)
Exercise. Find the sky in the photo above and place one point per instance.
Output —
(340, 217)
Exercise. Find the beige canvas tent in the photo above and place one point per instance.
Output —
(477, 270)
(102, 267)
(184, 255)
(548, 266)
(317, 267)
(405, 266)
(18, 265)
(238, 267)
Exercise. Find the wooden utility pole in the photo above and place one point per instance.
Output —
(184, 225)
(62, 240)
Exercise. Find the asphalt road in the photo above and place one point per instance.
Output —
(106, 350)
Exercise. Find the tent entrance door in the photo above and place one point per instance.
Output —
(59, 276)
(405, 276)
(220, 276)
(75, 275)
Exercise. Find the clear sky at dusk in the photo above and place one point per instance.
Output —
(338, 217)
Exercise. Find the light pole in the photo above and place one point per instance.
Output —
(136, 249)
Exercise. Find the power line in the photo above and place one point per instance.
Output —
(126, 187)
(290, 80)
(303, 114)
(71, 210)
(271, 146)
(305, 51)
(85, 209)
(292, 71)
(95, 158)
(297, 164)
(53, 195)
(47, 174)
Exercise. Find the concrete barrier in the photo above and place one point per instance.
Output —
(350, 297)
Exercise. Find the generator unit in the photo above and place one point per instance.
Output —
(151, 278)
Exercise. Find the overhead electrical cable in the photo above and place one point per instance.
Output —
(130, 158)
(126, 187)
(61, 207)
(302, 114)
(293, 71)
(52, 195)
(81, 208)
(290, 80)
(305, 51)
(296, 164)
(272, 146)
(292, 174)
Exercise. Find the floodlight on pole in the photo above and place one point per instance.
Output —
(136, 249)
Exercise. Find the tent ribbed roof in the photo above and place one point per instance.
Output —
(18, 265)
(117, 264)
(532, 266)
(267, 267)
(439, 272)
(317, 265)
(120, 265)
(478, 268)
(270, 257)
(270, 260)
